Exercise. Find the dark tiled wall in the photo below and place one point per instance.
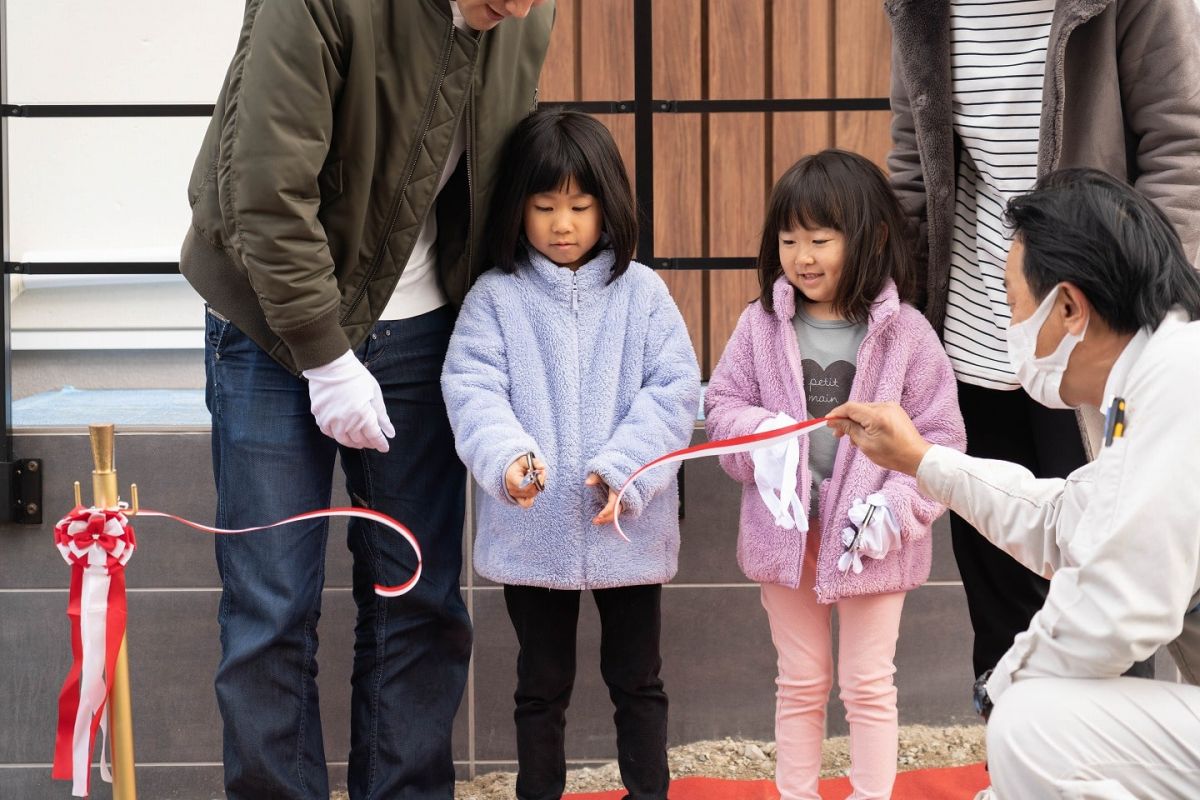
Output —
(719, 662)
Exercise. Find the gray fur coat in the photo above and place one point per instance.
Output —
(1121, 94)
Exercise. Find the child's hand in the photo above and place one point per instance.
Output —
(514, 477)
(608, 513)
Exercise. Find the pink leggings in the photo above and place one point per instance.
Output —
(867, 632)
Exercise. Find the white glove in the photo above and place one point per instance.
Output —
(775, 470)
(348, 404)
(878, 533)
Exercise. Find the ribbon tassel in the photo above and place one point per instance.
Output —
(97, 544)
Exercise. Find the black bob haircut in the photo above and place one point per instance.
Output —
(845, 192)
(544, 153)
(1087, 228)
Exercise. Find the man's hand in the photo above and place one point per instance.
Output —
(883, 432)
(348, 405)
(514, 476)
(608, 513)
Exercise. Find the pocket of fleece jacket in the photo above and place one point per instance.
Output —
(873, 532)
(767, 552)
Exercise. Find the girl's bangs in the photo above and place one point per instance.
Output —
(811, 201)
(556, 164)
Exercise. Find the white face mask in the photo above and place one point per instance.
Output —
(1041, 377)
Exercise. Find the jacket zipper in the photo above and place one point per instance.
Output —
(467, 150)
(579, 421)
(412, 166)
(839, 463)
(792, 348)
(470, 137)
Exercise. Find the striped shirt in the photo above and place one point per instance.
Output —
(998, 63)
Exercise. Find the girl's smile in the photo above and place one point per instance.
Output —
(812, 260)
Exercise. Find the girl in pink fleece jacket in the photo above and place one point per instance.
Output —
(822, 525)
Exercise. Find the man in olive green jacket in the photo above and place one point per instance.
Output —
(338, 204)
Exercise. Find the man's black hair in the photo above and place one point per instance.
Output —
(1085, 227)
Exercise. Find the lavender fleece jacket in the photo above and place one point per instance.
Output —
(592, 378)
(759, 375)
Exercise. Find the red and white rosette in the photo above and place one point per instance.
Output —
(97, 543)
(720, 447)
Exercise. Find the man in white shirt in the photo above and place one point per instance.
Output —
(986, 97)
(1104, 313)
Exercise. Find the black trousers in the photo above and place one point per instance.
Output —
(630, 621)
(1002, 595)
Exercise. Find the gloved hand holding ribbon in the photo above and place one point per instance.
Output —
(775, 469)
(877, 532)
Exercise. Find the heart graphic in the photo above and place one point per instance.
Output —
(826, 387)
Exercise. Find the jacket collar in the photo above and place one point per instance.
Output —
(886, 305)
(1114, 385)
(558, 281)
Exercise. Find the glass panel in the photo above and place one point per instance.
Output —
(119, 51)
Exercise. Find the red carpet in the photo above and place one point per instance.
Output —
(951, 783)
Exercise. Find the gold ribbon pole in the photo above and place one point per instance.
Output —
(104, 495)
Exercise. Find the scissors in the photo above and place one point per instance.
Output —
(532, 475)
(858, 533)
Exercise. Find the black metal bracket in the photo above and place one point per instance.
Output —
(21, 501)
(110, 110)
(591, 106)
(91, 267)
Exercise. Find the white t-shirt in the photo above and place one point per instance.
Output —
(998, 65)
(418, 291)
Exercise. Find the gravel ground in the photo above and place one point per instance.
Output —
(920, 747)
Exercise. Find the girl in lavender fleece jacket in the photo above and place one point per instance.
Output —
(830, 326)
(570, 353)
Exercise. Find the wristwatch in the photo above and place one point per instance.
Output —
(983, 703)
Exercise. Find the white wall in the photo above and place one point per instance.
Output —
(107, 189)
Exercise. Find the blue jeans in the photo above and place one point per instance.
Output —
(410, 652)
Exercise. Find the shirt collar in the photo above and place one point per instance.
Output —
(1114, 385)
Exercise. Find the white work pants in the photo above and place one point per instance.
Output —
(1116, 739)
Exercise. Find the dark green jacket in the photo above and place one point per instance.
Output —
(323, 157)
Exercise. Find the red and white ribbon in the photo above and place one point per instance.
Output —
(97, 543)
(737, 444)
(360, 513)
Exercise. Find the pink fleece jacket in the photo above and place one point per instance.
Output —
(759, 375)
